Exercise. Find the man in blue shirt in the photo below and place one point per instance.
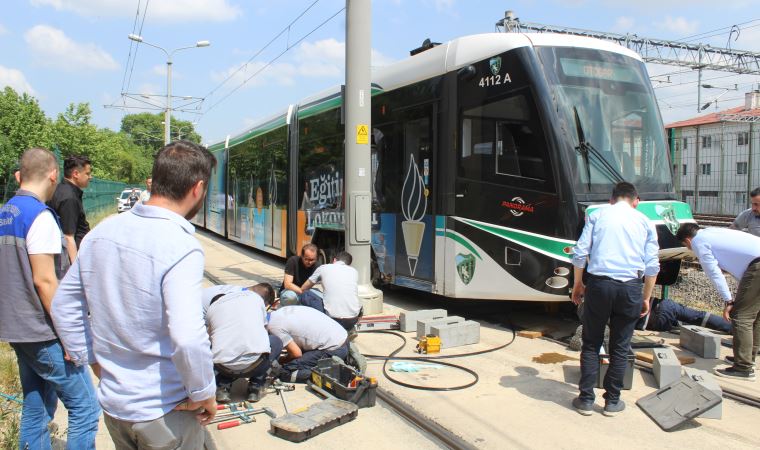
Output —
(737, 253)
(132, 303)
(621, 247)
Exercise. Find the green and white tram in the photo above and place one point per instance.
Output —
(487, 153)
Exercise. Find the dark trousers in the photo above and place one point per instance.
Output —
(618, 303)
(257, 375)
(745, 317)
(666, 315)
(299, 369)
(312, 300)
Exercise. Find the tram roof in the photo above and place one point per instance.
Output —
(447, 57)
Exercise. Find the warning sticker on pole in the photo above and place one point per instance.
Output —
(362, 134)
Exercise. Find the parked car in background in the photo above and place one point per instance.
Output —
(123, 202)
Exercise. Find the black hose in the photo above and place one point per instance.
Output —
(392, 357)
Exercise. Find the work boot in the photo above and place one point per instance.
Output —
(583, 407)
(223, 394)
(612, 409)
(255, 393)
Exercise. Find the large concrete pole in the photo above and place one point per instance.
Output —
(358, 112)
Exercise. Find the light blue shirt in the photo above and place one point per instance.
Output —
(620, 243)
(730, 250)
(139, 276)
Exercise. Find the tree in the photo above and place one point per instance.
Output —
(147, 130)
(23, 125)
(72, 131)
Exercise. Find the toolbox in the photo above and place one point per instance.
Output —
(429, 344)
(344, 382)
(299, 426)
(604, 363)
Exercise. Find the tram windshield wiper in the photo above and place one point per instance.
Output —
(600, 162)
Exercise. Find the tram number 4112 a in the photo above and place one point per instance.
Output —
(494, 80)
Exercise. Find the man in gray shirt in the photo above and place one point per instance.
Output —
(308, 336)
(749, 219)
(341, 285)
(235, 318)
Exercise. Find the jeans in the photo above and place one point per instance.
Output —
(313, 299)
(45, 377)
(299, 369)
(288, 298)
(257, 376)
(667, 314)
(620, 304)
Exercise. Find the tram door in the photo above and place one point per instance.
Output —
(415, 227)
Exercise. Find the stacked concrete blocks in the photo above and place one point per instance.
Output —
(700, 341)
(425, 326)
(708, 382)
(456, 334)
(408, 319)
(666, 366)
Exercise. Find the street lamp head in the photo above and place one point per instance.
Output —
(202, 44)
(134, 37)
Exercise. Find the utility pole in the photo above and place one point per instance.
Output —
(358, 129)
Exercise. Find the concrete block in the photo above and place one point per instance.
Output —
(456, 334)
(708, 382)
(665, 366)
(423, 326)
(408, 319)
(700, 341)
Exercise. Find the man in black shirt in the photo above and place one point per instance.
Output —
(298, 269)
(67, 201)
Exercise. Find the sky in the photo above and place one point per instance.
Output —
(263, 56)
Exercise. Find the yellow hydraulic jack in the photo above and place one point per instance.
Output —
(429, 344)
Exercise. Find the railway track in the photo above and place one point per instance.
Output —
(708, 220)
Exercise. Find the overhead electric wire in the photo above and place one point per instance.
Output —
(131, 45)
(271, 61)
(242, 66)
(137, 46)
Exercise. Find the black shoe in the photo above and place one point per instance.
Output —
(612, 409)
(732, 372)
(223, 395)
(731, 360)
(584, 407)
(255, 393)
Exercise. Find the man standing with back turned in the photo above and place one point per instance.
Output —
(67, 202)
(621, 246)
(139, 276)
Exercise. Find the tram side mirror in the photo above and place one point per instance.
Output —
(466, 73)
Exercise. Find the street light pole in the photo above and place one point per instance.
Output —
(168, 113)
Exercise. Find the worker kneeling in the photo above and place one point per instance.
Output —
(308, 336)
(341, 297)
(236, 319)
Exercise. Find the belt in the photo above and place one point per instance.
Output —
(243, 372)
(605, 277)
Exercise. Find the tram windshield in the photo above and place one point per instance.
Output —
(610, 109)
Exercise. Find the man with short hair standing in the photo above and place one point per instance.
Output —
(298, 269)
(145, 194)
(749, 219)
(341, 297)
(620, 246)
(67, 202)
(738, 254)
(30, 256)
(132, 303)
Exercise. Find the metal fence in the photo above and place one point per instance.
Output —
(715, 166)
(98, 198)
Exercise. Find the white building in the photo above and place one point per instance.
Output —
(717, 158)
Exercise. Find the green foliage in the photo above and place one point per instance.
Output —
(125, 156)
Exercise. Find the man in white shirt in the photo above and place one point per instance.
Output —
(340, 282)
(737, 253)
(308, 336)
(132, 303)
(236, 318)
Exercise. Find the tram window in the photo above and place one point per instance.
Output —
(502, 142)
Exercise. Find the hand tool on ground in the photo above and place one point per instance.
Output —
(243, 417)
(280, 387)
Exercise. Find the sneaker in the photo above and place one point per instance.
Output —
(731, 360)
(731, 372)
(584, 407)
(612, 409)
(223, 395)
(255, 393)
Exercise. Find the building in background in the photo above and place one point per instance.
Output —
(716, 158)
